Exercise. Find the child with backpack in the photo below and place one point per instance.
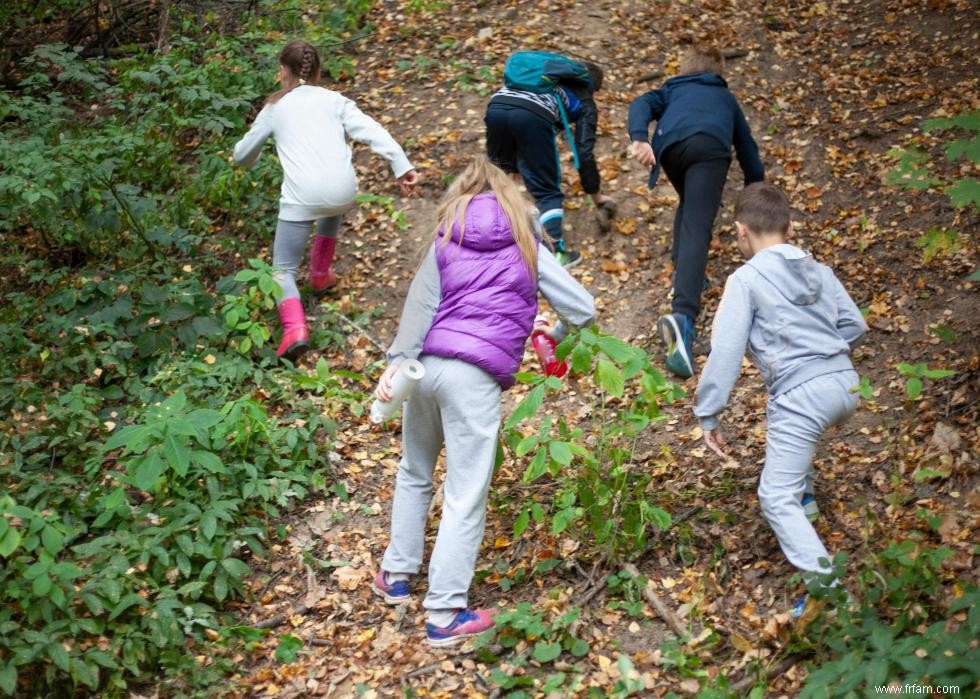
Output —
(467, 316)
(698, 122)
(799, 325)
(543, 91)
(310, 125)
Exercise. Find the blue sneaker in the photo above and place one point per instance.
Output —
(468, 623)
(797, 611)
(677, 332)
(395, 592)
(810, 508)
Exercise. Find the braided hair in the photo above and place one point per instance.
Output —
(300, 65)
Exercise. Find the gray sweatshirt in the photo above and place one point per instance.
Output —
(795, 317)
(573, 304)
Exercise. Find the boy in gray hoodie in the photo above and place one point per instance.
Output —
(799, 325)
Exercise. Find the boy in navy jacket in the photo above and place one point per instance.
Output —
(698, 122)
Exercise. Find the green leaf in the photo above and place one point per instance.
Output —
(8, 678)
(537, 467)
(127, 602)
(581, 359)
(527, 407)
(616, 349)
(288, 648)
(579, 648)
(560, 452)
(85, 673)
(913, 387)
(208, 461)
(9, 541)
(41, 586)
(610, 378)
(964, 192)
(545, 652)
(938, 373)
(562, 519)
(58, 655)
(235, 568)
(943, 332)
(525, 446)
(520, 525)
(209, 524)
(177, 452)
(52, 539)
(149, 470)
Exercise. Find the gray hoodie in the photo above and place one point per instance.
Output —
(795, 317)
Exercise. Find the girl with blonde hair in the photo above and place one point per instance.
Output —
(467, 316)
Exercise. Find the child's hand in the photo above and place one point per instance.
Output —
(642, 152)
(383, 390)
(407, 181)
(716, 441)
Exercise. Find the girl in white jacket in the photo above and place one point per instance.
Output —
(310, 125)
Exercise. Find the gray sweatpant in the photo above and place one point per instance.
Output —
(797, 419)
(458, 403)
(289, 246)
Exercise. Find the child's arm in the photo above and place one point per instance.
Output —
(644, 109)
(419, 311)
(573, 304)
(746, 149)
(248, 149)
(729, 337)
(364, 129)
(585, 130)
(850, 323)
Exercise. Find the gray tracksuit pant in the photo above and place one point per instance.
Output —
(289, 246)
(459, 404)
(797, 419)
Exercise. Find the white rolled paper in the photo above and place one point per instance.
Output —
(402, 384)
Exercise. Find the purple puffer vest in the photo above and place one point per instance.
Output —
(489, 299)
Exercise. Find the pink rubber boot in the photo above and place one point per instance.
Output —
(322, 276)
(294, 333)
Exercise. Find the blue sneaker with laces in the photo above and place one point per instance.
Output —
(677, 333)
(394, 592)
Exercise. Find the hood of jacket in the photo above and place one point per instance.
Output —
(792, 272)
(706, 78)
(485, 226)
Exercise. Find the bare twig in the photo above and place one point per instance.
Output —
(350, 323)
(424, 670)
(281, 618)
(780, 669)
(662, 609)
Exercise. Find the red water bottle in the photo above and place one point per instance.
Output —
(544, 346)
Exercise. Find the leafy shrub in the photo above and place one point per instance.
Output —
(599, 485)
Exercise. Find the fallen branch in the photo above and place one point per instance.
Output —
(350, 323)
(781, 669)
(662, 609)
(281, 618)
(424, 670)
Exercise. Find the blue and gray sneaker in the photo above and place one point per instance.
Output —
(810, 508)
(677, 332)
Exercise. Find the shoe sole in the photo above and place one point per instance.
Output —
(295, 351)
(573, 263)
(389, 599)
(670, 334)
(451, 640)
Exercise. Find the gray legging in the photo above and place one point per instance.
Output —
(290, 245)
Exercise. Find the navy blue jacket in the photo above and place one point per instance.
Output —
(692, 104)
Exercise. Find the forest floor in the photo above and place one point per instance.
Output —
(828, 88)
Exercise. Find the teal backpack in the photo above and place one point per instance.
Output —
(542, 72)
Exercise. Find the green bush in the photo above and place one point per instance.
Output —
(599, 485)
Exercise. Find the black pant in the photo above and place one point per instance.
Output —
(519, 140)
(698, 168)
